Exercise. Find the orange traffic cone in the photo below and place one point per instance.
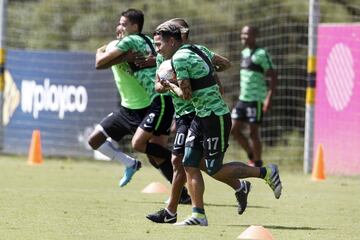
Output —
(318, 172)
(35, 153)
(155, 187)
(256, 233)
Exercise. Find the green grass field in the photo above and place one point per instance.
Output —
(68, 199)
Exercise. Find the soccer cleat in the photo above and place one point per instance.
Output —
(162, 216)
(129, 172)
(193, 221)
(272, 178)
(242, 195)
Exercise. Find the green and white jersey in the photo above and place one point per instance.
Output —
(133, 95)
(189, 65)
(146, 76)
(252, 79)
(181, 106)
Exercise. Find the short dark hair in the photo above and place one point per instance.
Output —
(184, 25)
(168, 30)
(135, 16)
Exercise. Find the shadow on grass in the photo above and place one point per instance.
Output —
(206, 204)
(284, 227)
(231, 205)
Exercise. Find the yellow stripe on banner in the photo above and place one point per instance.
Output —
(310, 95)
(2, 83)
(2, 62)
(311, 64)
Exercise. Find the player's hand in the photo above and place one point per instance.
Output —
(132, 56)
(102, 49)
(142, 61)
(165, 83)
(266, 104)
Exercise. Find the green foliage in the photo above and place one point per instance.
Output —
(82, 24)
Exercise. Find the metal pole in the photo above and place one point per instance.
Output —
(3, 4)
(314, 16)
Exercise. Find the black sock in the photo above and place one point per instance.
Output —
(262, 172)
(157, 150)
(152, 162)
(166, 168)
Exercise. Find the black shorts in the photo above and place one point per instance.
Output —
(250, 112)
(124, 122)
(159, 117)
(182, 126)
(212, 132)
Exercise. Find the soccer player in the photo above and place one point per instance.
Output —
(185, 112)
(152, 134)
(134, 105)
(210, 128)
(255, 98)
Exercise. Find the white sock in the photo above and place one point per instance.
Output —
(170, 213)
(241, 186)
(108, 149)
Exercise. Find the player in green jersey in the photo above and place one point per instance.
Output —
(185, 112)
(255, 98)
(135, 103)
(152, 134)
(210, 129)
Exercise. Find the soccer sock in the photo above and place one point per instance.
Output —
(262, 172)
(152, 162)
(166, 168)
(241, 186)
(170, 213)
(157, 150)
(108, 149)
(198, 212)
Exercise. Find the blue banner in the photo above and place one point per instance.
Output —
(59, 93)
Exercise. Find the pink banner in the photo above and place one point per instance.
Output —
(337, 108)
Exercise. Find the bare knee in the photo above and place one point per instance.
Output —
(138, 144)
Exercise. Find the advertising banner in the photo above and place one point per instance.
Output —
(59, 93)
(337, 108)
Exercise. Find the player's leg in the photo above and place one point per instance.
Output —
(115, 126)
(238, 116)
(237, 170)
(169, 214)
(149, 136)
(256, 143)
(195, 182)
(254, 115)
(109, 127)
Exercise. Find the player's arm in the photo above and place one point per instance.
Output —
(220, 63)
(217, 79)
(272, 76)
(105, 59)
(145, 61)
(183, 90)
